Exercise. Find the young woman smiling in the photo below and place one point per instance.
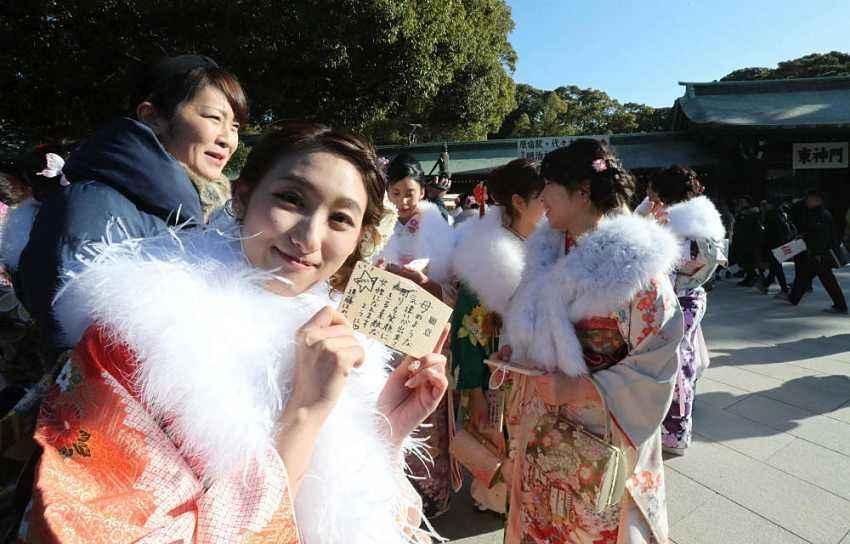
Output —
(216, 395)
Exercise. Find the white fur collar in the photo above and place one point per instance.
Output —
(432, 238)
(16, 232)
(696, 218)
(602, 272)
(216, 356)
(489, 258)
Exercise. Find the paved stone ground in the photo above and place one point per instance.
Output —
(771, 459)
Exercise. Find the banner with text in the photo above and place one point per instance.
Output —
(818, 155)
(536, 148)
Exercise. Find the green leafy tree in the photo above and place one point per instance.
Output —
(571, 110)
(834, 63)
(366, 65)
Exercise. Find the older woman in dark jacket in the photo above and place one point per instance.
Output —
(133, 178)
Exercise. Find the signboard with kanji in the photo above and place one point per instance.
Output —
(819, 155)
(536, 148)
(394, 310)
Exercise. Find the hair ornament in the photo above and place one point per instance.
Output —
(599, 165)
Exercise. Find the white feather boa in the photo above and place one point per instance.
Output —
(695, 219)
(489, 259)
(604, 270)
(216, 354)
(16, 232)
(433, 240)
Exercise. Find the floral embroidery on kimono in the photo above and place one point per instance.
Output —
(165, 424)
(699, 227)
(619, 324)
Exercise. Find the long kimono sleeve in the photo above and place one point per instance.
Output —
(638, 389)
(700, 259)
(109, 473)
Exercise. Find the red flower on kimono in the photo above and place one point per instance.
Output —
(61, 428)
(646, 481)
(586, 474)
(648, 310)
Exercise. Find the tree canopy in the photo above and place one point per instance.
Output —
(833, 63)
(366, 65)
(570, 110)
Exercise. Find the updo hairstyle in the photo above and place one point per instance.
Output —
(676, 184)
(518, 177)
(405, 165)
(592, 165)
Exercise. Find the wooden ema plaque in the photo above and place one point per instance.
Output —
(394, 310)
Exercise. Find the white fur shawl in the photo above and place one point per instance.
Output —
(602, 272)
(696, 218)
(16, 232)
(433, 240)
(489, 259)
(216, 355)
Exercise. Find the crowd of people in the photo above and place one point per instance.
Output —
(179, 371)
(757, 230)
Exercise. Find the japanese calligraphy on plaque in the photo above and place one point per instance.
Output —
(820, 155)
(393, 310)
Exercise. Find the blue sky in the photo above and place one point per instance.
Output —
(638, 50)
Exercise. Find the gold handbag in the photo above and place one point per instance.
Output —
(568, 461)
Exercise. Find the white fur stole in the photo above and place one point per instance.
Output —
(696, 218)
(603, 271)
(433, 239)
(16, 232)
(216, 355)
(488, 258)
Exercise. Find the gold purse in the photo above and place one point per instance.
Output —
(569, 461)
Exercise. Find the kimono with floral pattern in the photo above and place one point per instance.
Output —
(426, 235)
(601, 306)
(109, 473)
(647, 327)
(698, 225)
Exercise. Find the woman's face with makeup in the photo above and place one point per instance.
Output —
(304, 218)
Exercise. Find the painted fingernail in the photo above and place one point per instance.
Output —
(414, 366)
(408, 382)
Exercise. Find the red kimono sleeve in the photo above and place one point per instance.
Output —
(108, 473)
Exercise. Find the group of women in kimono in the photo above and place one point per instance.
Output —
(602, 304)
(215, 394)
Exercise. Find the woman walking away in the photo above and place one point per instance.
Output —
(696, 223)
(488, 261)
(597, 314)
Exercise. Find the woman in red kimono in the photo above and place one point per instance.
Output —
(216, 395)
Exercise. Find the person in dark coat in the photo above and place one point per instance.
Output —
(778, 230)
(748, 241)
(135, 177)
(132, 177)
(818, 232)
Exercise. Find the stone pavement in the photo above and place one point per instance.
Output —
(770, 463)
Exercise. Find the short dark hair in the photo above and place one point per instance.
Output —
(676, 184)
(518, 177)
(166, 88)
(405, 165)
(592, 162)
(291, 138)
